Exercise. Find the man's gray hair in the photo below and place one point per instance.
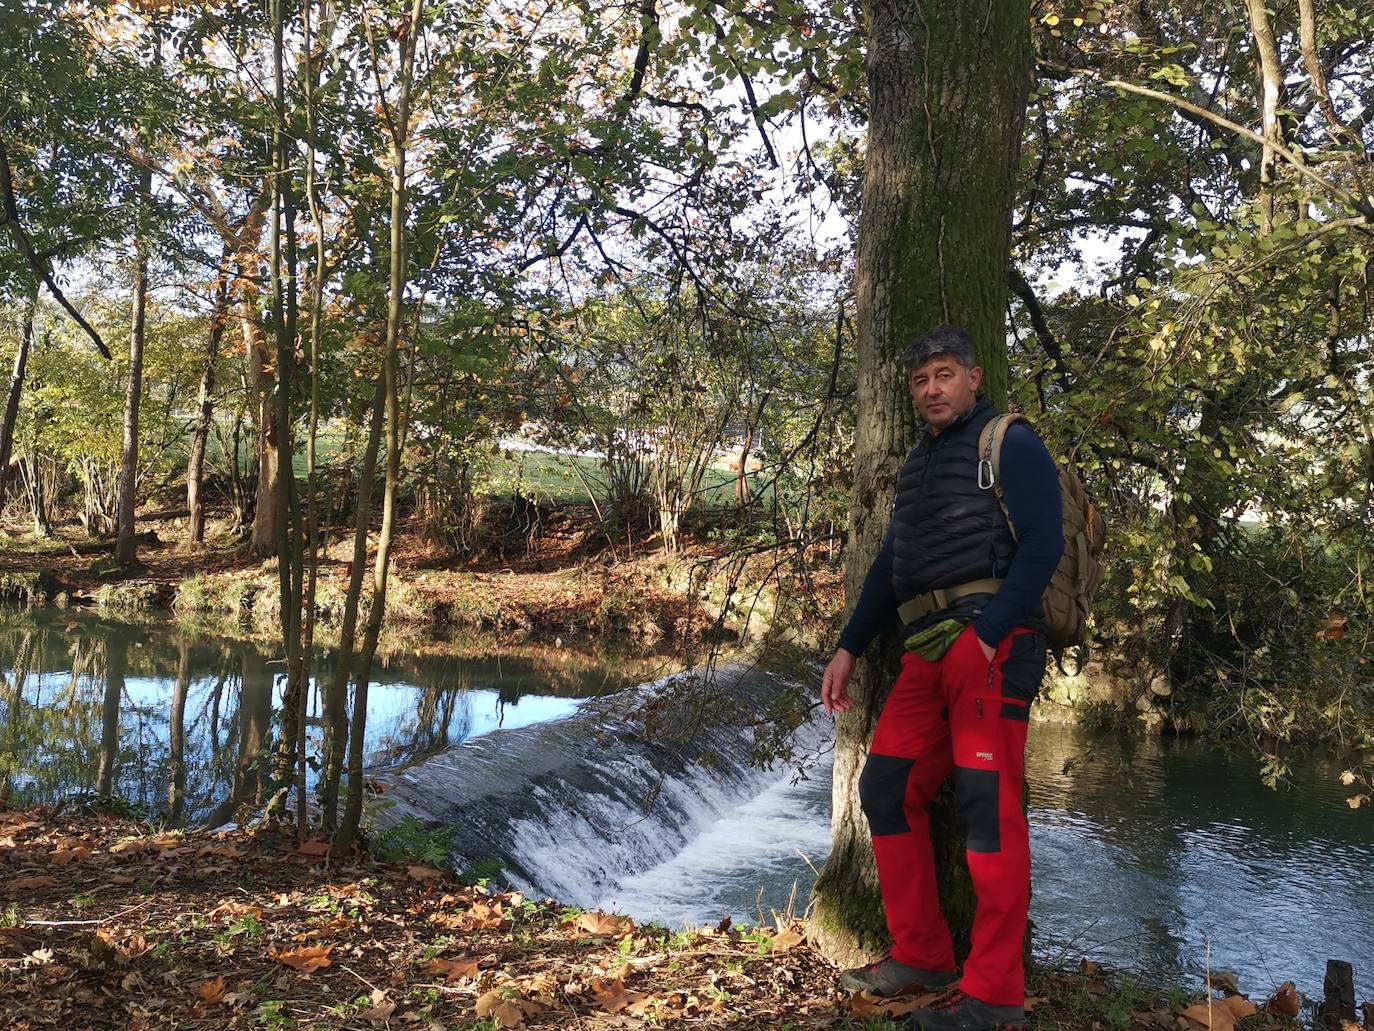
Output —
(943, 341)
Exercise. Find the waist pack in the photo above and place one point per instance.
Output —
(1068, 598)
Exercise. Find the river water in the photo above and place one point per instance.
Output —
(1149, 854)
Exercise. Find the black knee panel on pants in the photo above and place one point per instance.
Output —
(882, 793)
(977, 793)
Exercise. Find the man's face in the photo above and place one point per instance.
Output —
(943, 390)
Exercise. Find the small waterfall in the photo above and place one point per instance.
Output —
(574, 806)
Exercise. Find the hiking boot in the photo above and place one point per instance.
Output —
(959, 1012)
(889, 978)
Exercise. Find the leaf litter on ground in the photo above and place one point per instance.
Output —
(137, 929)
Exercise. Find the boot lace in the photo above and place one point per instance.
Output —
(951, 1000)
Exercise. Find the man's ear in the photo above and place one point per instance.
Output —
(975, 376)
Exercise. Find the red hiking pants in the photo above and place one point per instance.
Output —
(966, 716)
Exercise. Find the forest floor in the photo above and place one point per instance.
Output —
(539, 572)
(109, 923)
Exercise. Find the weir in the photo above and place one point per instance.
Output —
(573, 806)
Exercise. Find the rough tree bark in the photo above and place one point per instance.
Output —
(195, 466)
(948, 86)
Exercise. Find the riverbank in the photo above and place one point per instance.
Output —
(562, 581)
(107, 923)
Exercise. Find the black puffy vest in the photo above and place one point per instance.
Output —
(945, 529)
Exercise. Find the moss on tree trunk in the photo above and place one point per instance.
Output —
(948, 85)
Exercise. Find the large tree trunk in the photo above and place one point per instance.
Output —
(948, 85)
(16, 388)
(133, 393)
(195, 467)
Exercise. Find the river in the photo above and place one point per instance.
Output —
(1149, 854)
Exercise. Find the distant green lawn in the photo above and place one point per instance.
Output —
(555, 478)
(547, 477)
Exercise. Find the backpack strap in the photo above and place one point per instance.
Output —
(990, 459)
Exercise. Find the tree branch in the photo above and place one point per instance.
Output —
(34, 259)
(1296, 160)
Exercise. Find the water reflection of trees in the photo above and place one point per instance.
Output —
(176, 723)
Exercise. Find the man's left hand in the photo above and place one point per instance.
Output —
(988, 650)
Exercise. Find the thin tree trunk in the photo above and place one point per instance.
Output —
(124, 553)
(336, 724)
(408, 32)
(948, 85)
(316, 339)
(195, 467)
(290, 544)
(262, 540)
(16, 388)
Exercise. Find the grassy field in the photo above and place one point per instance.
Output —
(545, 476)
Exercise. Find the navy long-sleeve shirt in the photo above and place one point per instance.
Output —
(1030, 486)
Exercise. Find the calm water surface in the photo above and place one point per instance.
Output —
(180, 724)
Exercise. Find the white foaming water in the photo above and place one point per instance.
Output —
(742, 864)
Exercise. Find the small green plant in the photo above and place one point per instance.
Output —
(272, 1015)
(162, 951)
(480, 874)
(424, 996)
(249, 926)
(81, 903)
(411, 841)
(9, 916)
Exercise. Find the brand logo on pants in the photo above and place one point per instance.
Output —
(984, 755)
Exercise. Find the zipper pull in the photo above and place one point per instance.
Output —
(980, 707)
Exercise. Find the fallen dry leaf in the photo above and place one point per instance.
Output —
(122, 879)
(787, 940)
(1286, 1001)
(603, 925)
(343, 891)
(131, 847)
(211, 991)
(13, 823)
(29, 883)
(424, 873)
(230, 908)
(1334, 626)
(508, 1010)
(381, 1009)
(1221, 1014)
(481, 916)
(314, 847)
(865, 1005)
(63, 856)
(222, 851)
(306, 960)
(454, 969)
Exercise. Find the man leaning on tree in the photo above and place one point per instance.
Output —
(967, 593)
